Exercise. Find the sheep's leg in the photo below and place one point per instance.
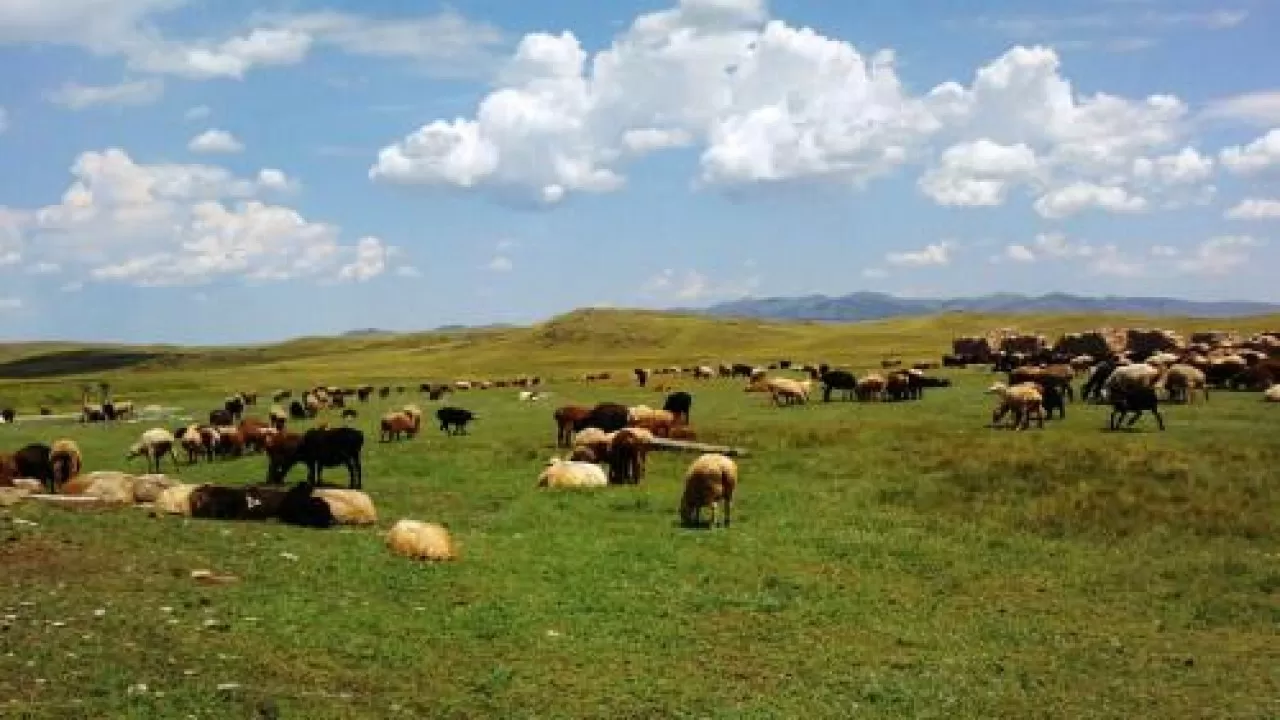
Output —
(1133, 420)
(1159, 420)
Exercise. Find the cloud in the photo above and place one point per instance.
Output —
(1048, 246)
(501, 263)
(934, 254)
(763, 102)
(1080, 196)
(273, 179)
(370, 261)
(1221, 255)
(9, 303)
(121, 221)
(445, 44)
(44, 268)
(691, 285)
(199, 112)
(1260, 108)
(74, 96)
(1258, 155)
(1254, 209)
(215, 141)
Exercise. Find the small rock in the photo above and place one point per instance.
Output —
(99, 612)
(289, 556)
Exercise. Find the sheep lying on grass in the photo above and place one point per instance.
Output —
(420, 541)
(711, 479)
(572, 474)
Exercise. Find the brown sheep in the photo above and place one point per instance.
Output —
(870, 387)
(628, 454)
(711, 479)
(566, 418)
(396, 424)
(1025, 401)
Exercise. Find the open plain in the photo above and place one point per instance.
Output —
(885, 559)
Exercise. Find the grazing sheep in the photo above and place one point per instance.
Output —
(783, 391)
(254, 431)
(64, 456)
(680, 404)
(420, 541)
(567, 419)
(833, 380)
(571, 474)
(871, 387)
(455, 418)
(230, 442)
(320, 448)
(193, 441)
(627, 454)
(710, 479)
(1025, 401)
(396, 424)
(1181, 381)
(349, 507)
(1134, 399)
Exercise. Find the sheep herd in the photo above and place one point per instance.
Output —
(605, 444)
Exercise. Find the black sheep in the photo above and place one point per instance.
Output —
(35, 461)
(608, 417)
(297, 411)
(8, 414)
(454, 417)
(679, 404)
(234, 407)
(320, 448)
(1136, 400)
(219, 503)
(1051, 394)
(841, 380)
(298, 506)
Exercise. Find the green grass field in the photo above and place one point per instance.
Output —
(886, 560)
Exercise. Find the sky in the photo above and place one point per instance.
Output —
(210, 172)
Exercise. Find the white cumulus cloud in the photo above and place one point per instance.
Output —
(1255, 209)
(1221, 255)
(1080, 196)
(1256, 156)
(215, 141)
(938, 253)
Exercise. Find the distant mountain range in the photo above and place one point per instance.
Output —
(876, 306)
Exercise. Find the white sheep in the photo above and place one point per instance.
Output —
(349, 507)
(154, 445)
(710, 480)
(1024, 400)
(571, 473)
(1272, 394)
(174, 500)
(420, 541)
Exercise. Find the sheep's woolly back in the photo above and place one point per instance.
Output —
(413, 411)
(420, 541)
(156, 436)
(712, 477)
(569, 473)
(349, 507)
(175, 500)
(146, 488)
(591, 436)
(65, 446)
(1272, 394)
(116, 488)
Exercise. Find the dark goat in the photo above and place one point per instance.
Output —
(320, 448)
(1136, 400)
(35, 461)
(454, 417)
(841, 380)
(679, 404)
(609, 417)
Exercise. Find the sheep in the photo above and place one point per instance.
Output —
(627, 454)
(833, 380)
(591, 445)
(567, 418)
(319, 448)
(230, 442)
(420, 541)
(218, 502)
(1181, 380)
(1271, 394)
(278, 416)
(1024, 400)
(455, 418)
(174, 500)
(254, 432)
(147, 488)
(571, 474)
(115, 488)
(64, 456)
(299, 506)
(782, 389)
(396, 424)
(1133, 399)
(680, 404)
(414, 412)
(609, 417)
(154, 445)
(711, 478)
(349, 507)
(193, 441)
(870, 387)
(35, 461)
(297, 411)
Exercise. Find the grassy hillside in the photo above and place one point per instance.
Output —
(596, 339)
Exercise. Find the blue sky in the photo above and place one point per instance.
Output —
(211, 172)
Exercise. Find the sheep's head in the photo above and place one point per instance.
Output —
(135, 450)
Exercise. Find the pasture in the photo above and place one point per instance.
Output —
(886, 559)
